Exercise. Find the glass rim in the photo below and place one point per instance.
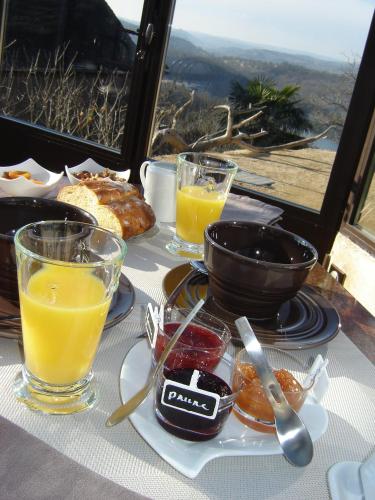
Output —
(123, 248)
(224, 329)
(303, 368)
(229, 167)
(258, 262)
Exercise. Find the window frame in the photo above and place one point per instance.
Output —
(358, 191)
(55, 149)
(321, 227)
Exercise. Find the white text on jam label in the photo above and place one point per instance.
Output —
(193, 402)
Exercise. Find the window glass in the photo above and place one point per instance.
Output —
(366, 214)
(242, 78)
(67, 66)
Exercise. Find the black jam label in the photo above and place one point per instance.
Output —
(190, 399)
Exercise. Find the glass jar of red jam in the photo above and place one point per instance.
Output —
(201, 345)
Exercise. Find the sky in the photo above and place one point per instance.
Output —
(331, 28)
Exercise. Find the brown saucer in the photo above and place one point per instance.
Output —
(308, 320)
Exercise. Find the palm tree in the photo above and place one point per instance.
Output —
(282, 118)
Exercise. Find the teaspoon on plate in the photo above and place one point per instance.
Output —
(293, 437)
(127, 408)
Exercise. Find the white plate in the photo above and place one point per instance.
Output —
(352, 480)
(91, 166)
(149, 233)
(190, 457)
(343, 481)
(25, 187)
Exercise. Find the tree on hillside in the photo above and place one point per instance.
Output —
(282, 116)
(332, 103)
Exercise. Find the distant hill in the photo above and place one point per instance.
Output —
(199, 70)
(194, 43)
(182, 47)
(276, 57)
(210, 64)
(237, 48)
(215, 71)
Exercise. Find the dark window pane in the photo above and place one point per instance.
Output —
(67, 66)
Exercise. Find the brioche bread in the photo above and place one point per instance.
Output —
(119, 208)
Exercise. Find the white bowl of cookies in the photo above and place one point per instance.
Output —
(90, 170)
(28, 179)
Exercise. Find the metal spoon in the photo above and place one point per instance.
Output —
(199, 265)
(294, 438)
(178, 289)
(127, 408)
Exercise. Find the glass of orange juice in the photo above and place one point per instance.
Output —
(203, 184)
(67, 274)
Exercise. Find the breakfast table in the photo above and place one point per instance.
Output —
(88, 460)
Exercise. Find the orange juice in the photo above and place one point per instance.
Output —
(63, 315)
(196, 207)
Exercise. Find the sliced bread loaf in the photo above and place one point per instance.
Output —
(119, 209)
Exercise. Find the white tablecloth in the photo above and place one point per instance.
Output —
(121, 455)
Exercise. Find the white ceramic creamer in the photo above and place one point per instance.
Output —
(159, 183)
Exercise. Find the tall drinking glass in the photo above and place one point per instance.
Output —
(67, 274)
(203, 184)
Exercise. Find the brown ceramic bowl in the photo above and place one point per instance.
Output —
(254, 268)
(16, 212)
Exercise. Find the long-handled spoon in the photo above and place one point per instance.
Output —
(171, 300)
(127, 408)
(199, 265)
(294, 438)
